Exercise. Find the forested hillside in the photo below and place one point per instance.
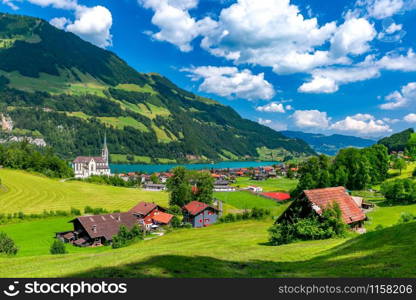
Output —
(59, 87)
(398, 141)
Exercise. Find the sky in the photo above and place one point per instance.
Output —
(345, 67)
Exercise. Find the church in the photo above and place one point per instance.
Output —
(86, 166)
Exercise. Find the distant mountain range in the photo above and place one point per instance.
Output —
(329, 144)
(55, 86)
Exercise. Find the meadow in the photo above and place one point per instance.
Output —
(31, 193)
(270, 185)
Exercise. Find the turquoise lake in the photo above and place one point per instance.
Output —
(124, 168)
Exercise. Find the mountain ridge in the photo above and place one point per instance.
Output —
(329, 144)
(70, 92)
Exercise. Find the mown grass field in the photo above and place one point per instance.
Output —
(226, 250)
(269, 185)
(247, 200)
(33, 194)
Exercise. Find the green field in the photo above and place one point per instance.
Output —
(122, 122)
(226, 250)
(33, 194)
(269, 185)
(123, 158)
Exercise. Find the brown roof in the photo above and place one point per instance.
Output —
(195, 207)
(106, 225)
(158, 217)
(143, 208)
(321, 198)
(87, 159)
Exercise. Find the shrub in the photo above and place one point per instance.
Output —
(57, 247)
(328, 225)
(399, 191)
(125, 236)
(175, 222)
(7, 245)
(406, 218)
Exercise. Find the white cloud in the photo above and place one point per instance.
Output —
(60, 23)
(328, 80)
(398, 62)
(175, 23)
(380, 9)
(272, 124)
(232, 83)
(402, 98)
(10, 4)
(393, 27)
(410, 118)
(362, 124)
(391, 121)
(92, 24)
(352, 37)
(273, 107)
(311, 119)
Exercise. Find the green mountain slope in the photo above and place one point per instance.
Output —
(55, 85)
(398, 141)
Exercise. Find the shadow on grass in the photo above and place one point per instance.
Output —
(384, 253)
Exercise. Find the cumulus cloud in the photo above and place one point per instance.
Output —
(273, 107)
(352, 37)
(311, 119)
(398, 62)
(410, 118)
(232, 83)
(328, 80)
(380, 9)
(92, 24)
(272, 124)
(361, 124)
(175, 23)
(402, 98)
(264, 121)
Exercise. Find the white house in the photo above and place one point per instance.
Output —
(86, 166)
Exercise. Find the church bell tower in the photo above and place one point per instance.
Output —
(104, 151)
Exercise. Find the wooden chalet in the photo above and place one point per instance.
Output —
(315, 201)
(199, 214)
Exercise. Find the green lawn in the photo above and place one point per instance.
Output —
(247, 200)
(225, 250)
(269, 185)
(33, 194)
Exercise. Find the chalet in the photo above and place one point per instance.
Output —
(151, 214)
(154, 187)
(315, 201)
(199, 214)
(97, 230)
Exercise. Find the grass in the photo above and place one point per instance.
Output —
(122, 122)
(225, 250)
(269, 185)
(136, 88)
(152, 111)
(247, 200)
(33, 194)
(137, 158)
(406, 173)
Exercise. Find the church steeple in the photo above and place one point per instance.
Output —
(104, 152)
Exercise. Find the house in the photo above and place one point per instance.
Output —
(97, 230)
(224, 188)
(154, 187)
(199, 214)
(255, 189)
(260, 176)
(315, 201)
(86, 166)
(151, 215)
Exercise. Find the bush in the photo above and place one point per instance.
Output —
(399, 191)
(175, 222)
(7, 245)
(406, 218)
(255, 213)
(328, 225)
(125, 236)
(58, 247)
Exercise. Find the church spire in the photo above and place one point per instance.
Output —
(104, 152)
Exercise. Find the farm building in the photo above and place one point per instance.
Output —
(97, 230)
(154, 187)
(152, 215)
(199, 214)
(315, 201)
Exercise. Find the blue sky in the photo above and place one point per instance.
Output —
(344, 67)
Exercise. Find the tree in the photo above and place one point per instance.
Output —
(179, 187)
(204, 184)
(7, 245)
(58, 247)
(399, 164)
(154, 178)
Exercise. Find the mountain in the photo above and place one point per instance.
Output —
(58, 87)
(398, 141)
(331, 144)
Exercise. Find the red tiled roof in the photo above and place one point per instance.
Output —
(106, 225)
(143, 208)
(277, 196)
(159, 217)
(195, 207)
(323, 197)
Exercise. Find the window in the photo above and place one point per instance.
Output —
(200, 221)
(206, 220)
